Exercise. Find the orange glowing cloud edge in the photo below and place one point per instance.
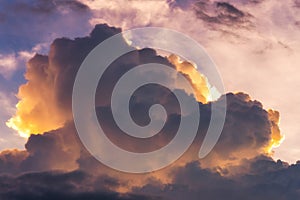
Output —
(276, 136)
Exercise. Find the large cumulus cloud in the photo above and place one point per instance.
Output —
(55, 164)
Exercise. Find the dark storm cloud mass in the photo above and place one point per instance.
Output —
(61, 186)
(49, 91)
(265, 179)
(55, 165)
(274, 181)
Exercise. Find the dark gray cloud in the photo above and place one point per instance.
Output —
(265, 179)
(10, 161)
(274, 180)
(218, 15)
(222, 16)
(187, 4)
(75, 185)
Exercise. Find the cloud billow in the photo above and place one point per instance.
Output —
(55, 163)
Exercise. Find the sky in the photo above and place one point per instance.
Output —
(255, 45)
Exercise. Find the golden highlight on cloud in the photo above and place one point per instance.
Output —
(37, 110)
(198, 81)
(276, 136)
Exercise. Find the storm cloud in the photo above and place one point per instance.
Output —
(56, 165)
